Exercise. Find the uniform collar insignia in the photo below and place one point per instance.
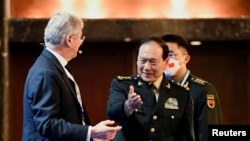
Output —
(186, 86)
(210, 101)
(139, 83)
(168, 86)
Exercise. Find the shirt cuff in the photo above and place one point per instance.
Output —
(89, 133)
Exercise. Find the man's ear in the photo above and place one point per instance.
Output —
(166, 62)
(187, 58)
(68, 40)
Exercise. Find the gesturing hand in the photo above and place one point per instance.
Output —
(134, 100)
(103, 132)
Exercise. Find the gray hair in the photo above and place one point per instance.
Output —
(59, 26)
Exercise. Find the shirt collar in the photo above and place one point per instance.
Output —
(157, 83)
(62, 61)
(184, 78)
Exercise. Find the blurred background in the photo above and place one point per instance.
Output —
(218, 32)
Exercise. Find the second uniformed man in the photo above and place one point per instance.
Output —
(147, 105)
(207, 110)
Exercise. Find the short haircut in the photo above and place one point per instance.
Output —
(59, 26)
(159, 41)
(181, 41)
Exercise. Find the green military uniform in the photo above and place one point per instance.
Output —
(214, 115)
(170, 118)
(207, 108)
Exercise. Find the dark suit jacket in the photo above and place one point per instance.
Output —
(51, 109)
(170, 119)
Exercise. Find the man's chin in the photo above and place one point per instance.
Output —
(147, 78)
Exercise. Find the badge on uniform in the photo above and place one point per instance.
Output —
(210, 101)
(139, 83)
(168, 86)
(171, 103)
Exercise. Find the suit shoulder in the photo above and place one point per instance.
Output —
(198, 80)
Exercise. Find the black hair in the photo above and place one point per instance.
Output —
(158, 40)
(181, 41)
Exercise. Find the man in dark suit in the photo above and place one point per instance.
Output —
(147, 105)
(53, 108)
(206, 102)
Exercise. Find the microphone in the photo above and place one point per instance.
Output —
(79, 51)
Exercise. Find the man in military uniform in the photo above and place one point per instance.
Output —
(148, 106)
(207, 109)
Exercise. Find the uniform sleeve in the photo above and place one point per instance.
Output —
(117, 98)
(213, 105)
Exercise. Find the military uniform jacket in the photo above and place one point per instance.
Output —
(206, 105)
(169, 119)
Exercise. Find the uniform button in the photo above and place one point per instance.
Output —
(155, 117)
(172, 117)
(152, 130)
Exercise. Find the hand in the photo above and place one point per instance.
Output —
(94, 139)
(103, 132)
(134, 101)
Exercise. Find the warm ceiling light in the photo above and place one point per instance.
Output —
(195, 43)
(178, 5)
(94, 9)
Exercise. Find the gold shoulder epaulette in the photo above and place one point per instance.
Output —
(199, 81)
(126, 78)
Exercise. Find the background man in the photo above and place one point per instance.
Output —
(206, 102)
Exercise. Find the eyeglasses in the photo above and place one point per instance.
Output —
(171, 54)
(174, 55)
(82, 37)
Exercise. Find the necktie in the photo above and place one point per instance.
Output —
(68, 68)
(78, 95)
(153, 90)
(156, 93)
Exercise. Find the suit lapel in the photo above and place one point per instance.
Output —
(70, 85)
(60, 69)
